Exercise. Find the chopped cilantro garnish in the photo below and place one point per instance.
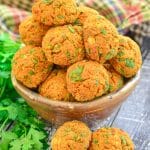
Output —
(96, 82)
(75, 75)
(68, 54)
(60, 16)
(71, 29)
(103, 31)
(123, 140)
(77, 22)
(48, 1)
(110, 54)
(35, 61)
(31, 72)
(120, 53)
(56, 48)
(95, 141)
(130, 63)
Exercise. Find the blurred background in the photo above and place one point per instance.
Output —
(131, 17)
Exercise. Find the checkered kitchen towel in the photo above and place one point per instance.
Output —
(122, 13)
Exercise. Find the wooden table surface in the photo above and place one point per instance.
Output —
(134, 114)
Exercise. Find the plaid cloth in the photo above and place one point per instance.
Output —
(124, 14)
(10, 19)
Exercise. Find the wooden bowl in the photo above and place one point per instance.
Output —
(58, 112)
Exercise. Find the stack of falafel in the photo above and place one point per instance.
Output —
(75, 135)
(72, 53)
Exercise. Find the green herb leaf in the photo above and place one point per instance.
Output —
(123, 140)
(48, 1)
(103, 31)
(76, 74)
(60, 16)
(71, 29)
(110, 54)
(120, 53)
(95, 141)
(31, 72)
(130, 63)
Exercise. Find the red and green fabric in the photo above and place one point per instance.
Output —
(122, 13)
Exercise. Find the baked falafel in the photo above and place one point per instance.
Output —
(73, 135)
(116, 81)
(55, 12)
(128, 60)
(100, 38)
(64, 45)
(32, 32)
(30, 66)
(84, 12)
(87, 76)
(111, 139)
(55, 87)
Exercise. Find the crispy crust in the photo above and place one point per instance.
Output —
(128, 60)
(73, 135)
(30, 66)
(64, 45)
(55, 12)
(100, 38)
(87, 76)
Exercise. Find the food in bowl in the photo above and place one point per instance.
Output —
(32, 32)
(81, 48)
(89, 76)
(55, 12)
(100, 38)
(55, 86)
(128, 60)
(111, 139)
(84, 12)
(74, 135)
(116, 81)
(64, 45)
(30, 66)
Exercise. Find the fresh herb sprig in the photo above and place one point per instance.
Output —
(27, 132)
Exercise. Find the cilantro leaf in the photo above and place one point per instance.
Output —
(130, 63)
(6, 138)
(75, 75)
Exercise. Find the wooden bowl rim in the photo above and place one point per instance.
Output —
(101, 101)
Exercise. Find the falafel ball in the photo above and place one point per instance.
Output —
(73, 135)
(128, 60)
(84, 12)
(55, 12)
(64, 45)
(87, 80)
(55, 86)
(100, 38)
(30, 66)
(116, 81)
(111, 139)
(32, 32)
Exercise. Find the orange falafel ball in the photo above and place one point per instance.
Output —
(84, 12)
(111, 139)
(55, 12)
(73, 135)
(100, 38)
(32, 32)
(30, 66)
(55, 86)
(128, 60)
(64, 45)
(87, 80)
(116, 81)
